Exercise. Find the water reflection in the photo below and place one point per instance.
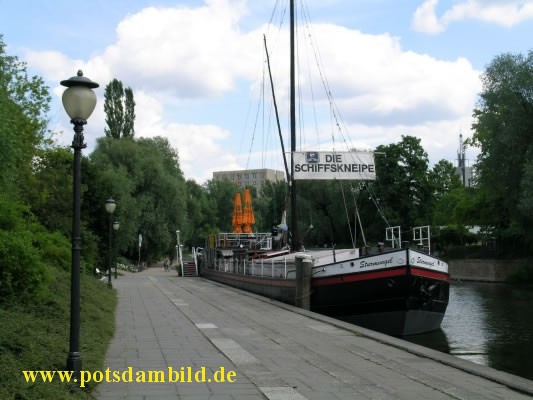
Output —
(489, 324)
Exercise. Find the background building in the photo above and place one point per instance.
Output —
(464, 172)
(250, 177)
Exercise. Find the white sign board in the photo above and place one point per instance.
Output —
(350, 165)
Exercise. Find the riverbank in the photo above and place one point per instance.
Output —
(35, 336)
(486, 270)
(273, 350)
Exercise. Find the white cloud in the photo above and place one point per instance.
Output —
(425, 18)
(174, 57)
(189, 52)
(197, 144)
(384, 92)
(506, 13)
(389, 83)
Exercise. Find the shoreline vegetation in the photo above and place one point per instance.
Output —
(34, 335)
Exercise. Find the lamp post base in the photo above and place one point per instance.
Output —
(74, 363)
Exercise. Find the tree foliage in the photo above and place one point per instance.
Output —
(201, 216)
(403, 186)
(50, 193)
(24, 102)
(25, 246)
(221, 194)
(270, 205)
(28, 93)
(119, 108)
(444, 178)
(144, 178)
(503, 126)
(23, 272)
(129, 113)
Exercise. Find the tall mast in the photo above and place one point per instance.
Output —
(461, 158)
(295, 243)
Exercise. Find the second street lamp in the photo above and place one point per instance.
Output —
(110, 206)
(79, 101)
(116, 225)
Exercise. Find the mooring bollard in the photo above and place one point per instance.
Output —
(304, 265)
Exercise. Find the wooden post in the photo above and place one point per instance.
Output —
(304, 266)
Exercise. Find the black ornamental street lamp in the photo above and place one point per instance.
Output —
(116, 225)
(79, 101)
(110, 206)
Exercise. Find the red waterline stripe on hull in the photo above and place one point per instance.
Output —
(358, 277)
(257, 280)
(430, 274)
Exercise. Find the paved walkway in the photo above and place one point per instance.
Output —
(276, 351)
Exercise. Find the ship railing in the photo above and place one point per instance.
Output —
(259, 241)
(421, 238)
(283, 269)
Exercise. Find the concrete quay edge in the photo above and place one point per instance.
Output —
(514, 382)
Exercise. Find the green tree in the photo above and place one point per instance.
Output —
(50, 193)
(129, 113)
(502, 130)
(270, 205)
(459, 206)
(444, 178)
(119, 107)
(26, 248)
(403, 187)
(29, 93)
(221, 194)
(525, 205)
(24, 102)
(144, 178)
(201, 217)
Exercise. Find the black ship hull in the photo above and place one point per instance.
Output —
(398, 301)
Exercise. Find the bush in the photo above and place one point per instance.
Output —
(22, 273)
(27, 249)
(54, 248)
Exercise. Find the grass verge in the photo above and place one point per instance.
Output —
(35, 336)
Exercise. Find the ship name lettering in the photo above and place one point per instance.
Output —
(422, 261)
(384, 263)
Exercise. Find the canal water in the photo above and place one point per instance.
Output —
(489, 324)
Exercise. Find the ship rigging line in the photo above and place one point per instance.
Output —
(335, 112)
(376, 203)
(276, 109)
(339, 123)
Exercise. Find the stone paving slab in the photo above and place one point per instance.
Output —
(174, 325)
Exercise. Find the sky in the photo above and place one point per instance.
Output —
(196, 68)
